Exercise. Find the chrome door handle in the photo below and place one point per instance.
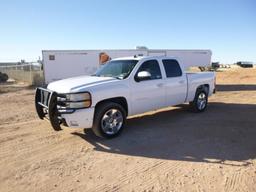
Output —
(181, 82)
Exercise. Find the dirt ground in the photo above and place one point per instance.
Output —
(168, 150)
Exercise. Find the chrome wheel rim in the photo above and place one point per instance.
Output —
(201, 101)
(112, 121)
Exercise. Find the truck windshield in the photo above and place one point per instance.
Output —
(119, 69)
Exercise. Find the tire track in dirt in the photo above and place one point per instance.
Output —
(22, 142)
(126, 177)
(199, 188)
(7, 125)
(165, 169)
(42, 151)
(46, 158)
(233, 182)
(13, 137)
(145, 170)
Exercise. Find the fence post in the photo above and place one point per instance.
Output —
(30, 70)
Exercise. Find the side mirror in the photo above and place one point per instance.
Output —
(142, 76)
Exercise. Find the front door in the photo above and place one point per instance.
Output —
(148, 94)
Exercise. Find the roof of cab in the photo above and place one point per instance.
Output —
(129, 58)
(144, 57)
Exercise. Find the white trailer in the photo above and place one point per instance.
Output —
(61, 64)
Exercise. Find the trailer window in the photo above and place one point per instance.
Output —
(51, 57)
(172, 68)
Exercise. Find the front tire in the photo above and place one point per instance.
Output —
(200, 101)
(109, 120)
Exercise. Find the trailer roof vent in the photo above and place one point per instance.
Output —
(139, 55)
(141, 48)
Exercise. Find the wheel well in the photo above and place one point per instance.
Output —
(204, 86)
(119, 100)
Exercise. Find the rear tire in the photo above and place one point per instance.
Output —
(109, 120)
(200, 102)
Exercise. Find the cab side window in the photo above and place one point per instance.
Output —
(172, 68)
(151, 66)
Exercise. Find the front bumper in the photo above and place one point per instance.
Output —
(80, 118)
(47, 106)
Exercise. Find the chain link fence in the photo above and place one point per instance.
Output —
(29, 72)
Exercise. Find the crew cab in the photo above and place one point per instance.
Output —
(122, 87)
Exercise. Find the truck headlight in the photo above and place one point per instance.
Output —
(78, 97)
(76, 100)
(78, 105)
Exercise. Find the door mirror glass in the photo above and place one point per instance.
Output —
(142, 76)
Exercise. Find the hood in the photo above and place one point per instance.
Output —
(78, 84)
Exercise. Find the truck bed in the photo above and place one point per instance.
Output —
(195, 79)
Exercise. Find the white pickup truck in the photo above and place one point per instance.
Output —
(121, 88)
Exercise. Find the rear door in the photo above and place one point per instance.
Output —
(175, 82)
(148, 94)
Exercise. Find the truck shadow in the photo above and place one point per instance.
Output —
(227, 87)
(224, 132)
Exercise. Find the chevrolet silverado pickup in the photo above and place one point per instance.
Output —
(122, 87)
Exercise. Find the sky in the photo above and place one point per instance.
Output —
(227, 27)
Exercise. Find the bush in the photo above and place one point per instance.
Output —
(3, 77)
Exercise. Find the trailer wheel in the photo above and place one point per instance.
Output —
(109, 120)
(200, 102)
